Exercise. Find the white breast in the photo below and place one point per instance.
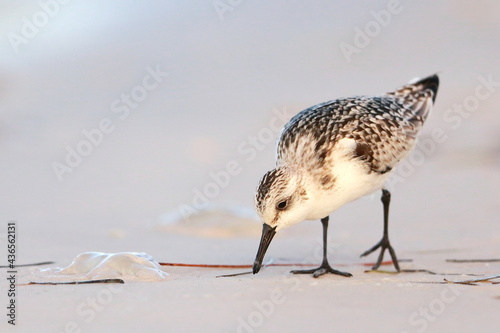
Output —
(353, 180)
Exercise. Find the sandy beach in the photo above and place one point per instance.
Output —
(145, 127)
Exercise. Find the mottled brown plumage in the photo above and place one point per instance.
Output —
(340, 150)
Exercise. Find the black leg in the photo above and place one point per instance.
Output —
(384, 243)
(325, 266)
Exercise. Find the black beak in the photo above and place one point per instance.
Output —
(268, 233)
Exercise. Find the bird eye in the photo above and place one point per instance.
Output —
(282, 205)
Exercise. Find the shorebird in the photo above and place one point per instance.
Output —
(336, 152)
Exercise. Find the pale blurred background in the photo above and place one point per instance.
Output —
(227, 72)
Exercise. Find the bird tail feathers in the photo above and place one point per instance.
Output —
(418, 95)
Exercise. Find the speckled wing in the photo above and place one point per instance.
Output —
(384, 128)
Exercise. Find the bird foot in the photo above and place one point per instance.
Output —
(383, 244)
(321, 270)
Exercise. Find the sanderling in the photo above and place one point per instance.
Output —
(336, 152)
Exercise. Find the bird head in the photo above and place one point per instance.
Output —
(281, 201)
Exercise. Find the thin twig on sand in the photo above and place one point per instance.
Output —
(472, 260)
(120, 281)
(475, 281)
(28, 265)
